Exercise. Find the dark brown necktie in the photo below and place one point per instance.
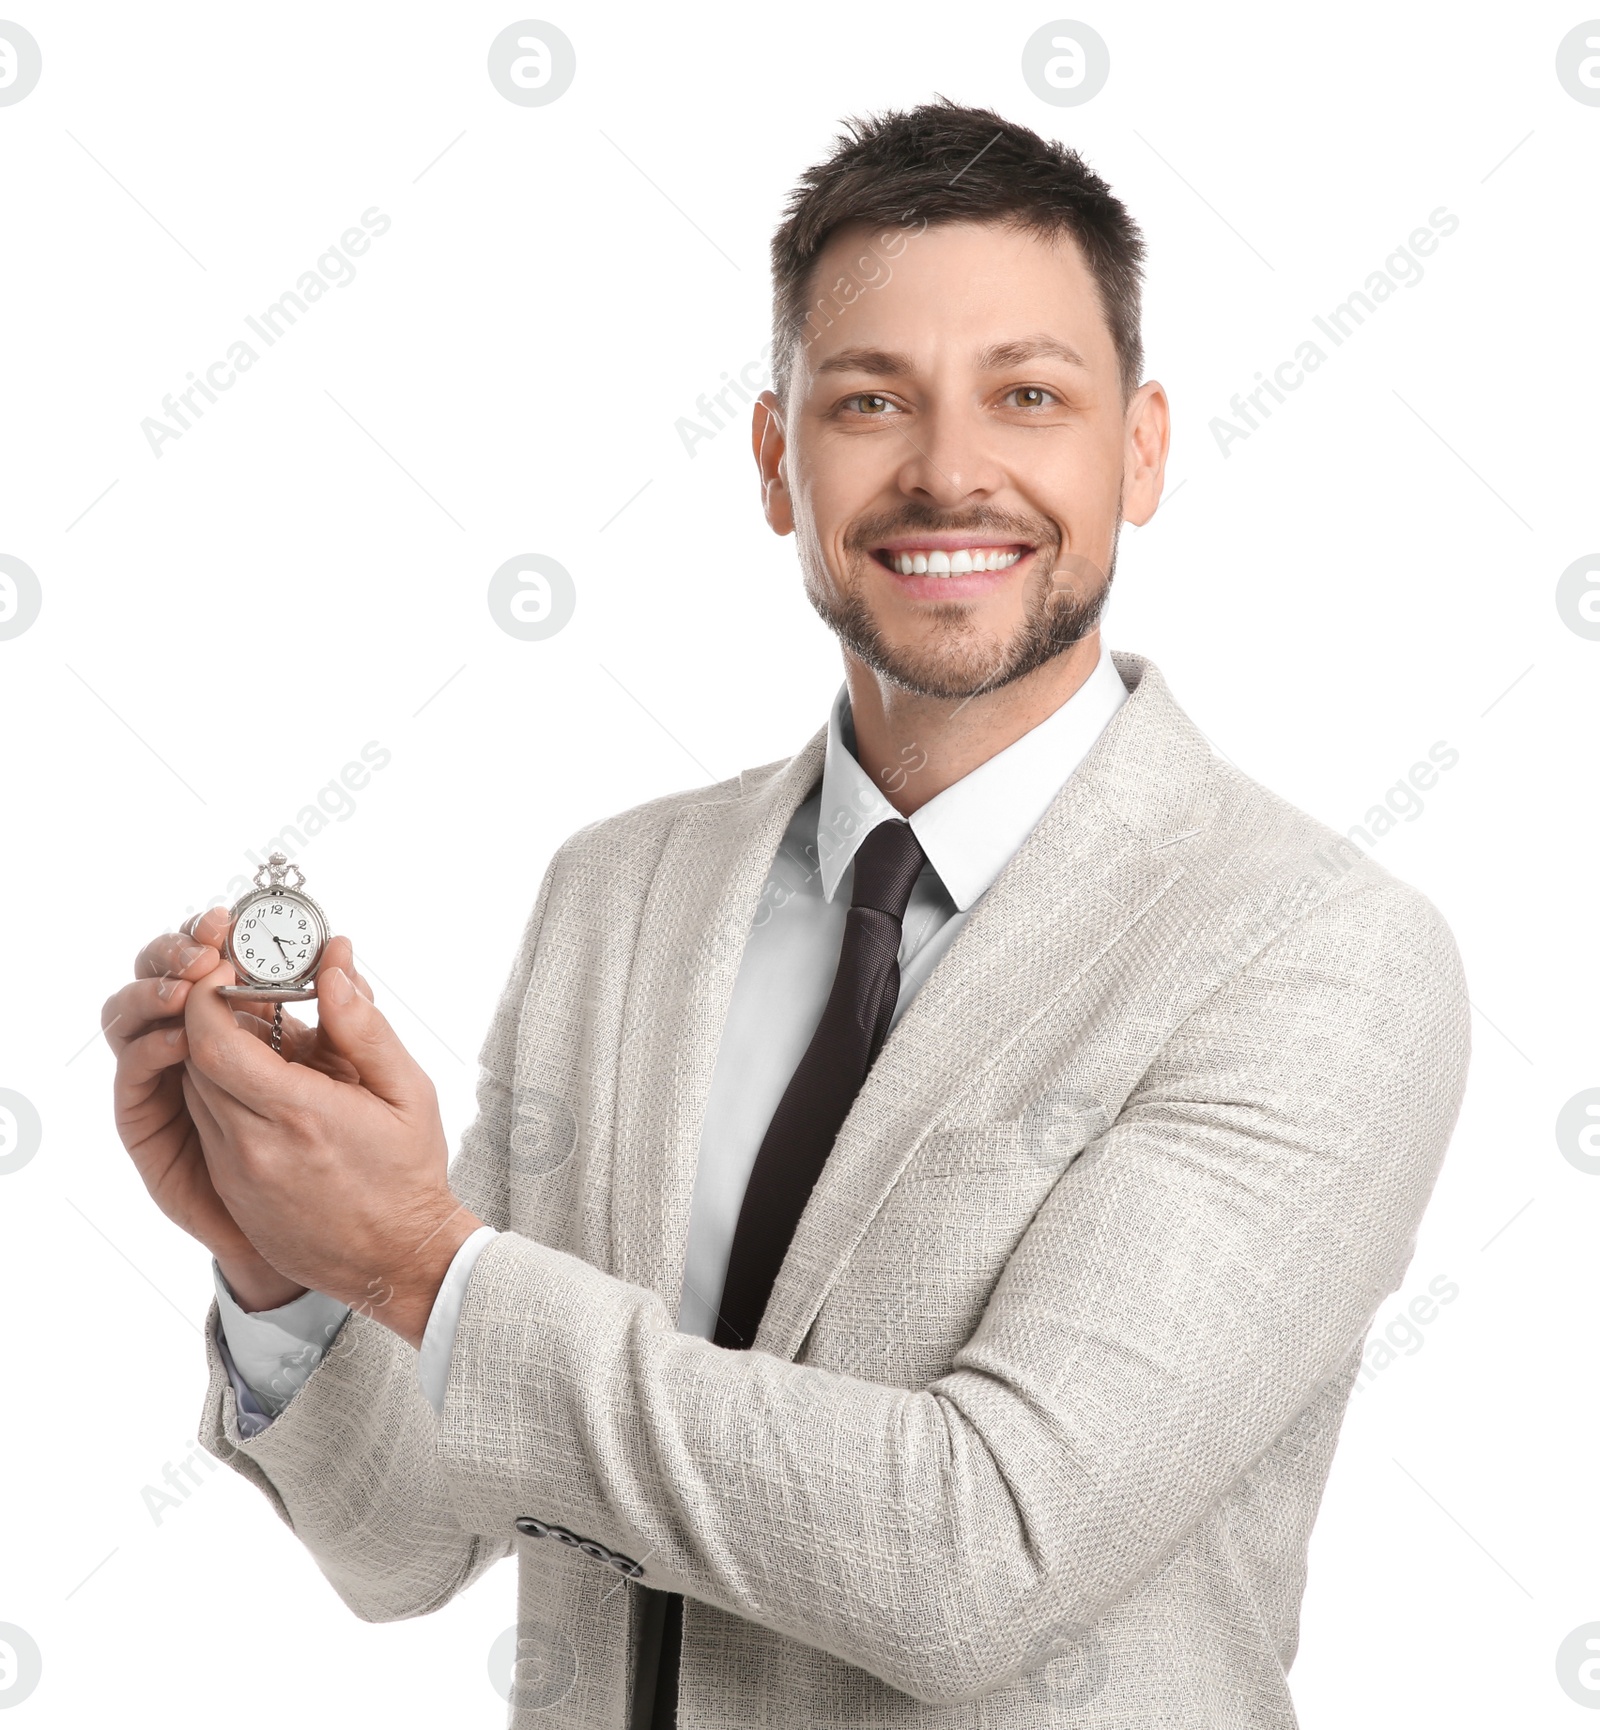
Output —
(854, 1025)
(816, 1102)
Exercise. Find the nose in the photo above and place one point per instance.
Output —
(949, 460)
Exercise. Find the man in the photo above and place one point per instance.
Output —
(928, 1195)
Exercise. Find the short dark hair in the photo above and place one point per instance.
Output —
(944, 162)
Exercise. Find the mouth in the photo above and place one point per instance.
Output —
(950, 566)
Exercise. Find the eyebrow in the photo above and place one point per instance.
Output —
(874, 360)
(1004, 354)
(884, 363)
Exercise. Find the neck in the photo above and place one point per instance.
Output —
(914, 747)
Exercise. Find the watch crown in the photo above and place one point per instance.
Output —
(276, 871)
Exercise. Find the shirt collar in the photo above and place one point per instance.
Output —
(970, 831)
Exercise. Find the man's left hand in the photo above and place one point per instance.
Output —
(339, 1183)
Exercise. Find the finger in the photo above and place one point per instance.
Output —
(209, 926)
(142, 1060)
(136, 1008)
(299, 1043)
(308, 1046)
(227, 1054)
(185, 954)
(231, 1117)
(341, 954)
(356, 1029)
(212, 1135)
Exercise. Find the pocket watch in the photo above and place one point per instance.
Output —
(276, 936)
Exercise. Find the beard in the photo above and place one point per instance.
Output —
(1064, 598)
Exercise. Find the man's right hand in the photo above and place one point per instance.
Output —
(143, 1024)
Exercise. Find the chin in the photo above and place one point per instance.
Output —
(957, 664)
(958, 649)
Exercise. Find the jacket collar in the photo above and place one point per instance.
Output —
(1111, 843)
(970, 831)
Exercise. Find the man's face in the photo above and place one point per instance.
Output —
(951, 457)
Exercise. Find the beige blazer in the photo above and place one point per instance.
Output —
(1044, 1400)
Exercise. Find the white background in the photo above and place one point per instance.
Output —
(1370, 572)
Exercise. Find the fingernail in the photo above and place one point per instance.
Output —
(174, 1034)
(187, 957)
(167, 987)
(340, 990)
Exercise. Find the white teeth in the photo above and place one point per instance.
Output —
(939, 563)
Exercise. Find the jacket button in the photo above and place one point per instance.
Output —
(532, 1528)
(624, 1565)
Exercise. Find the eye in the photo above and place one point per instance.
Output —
(868, 404)
(1031, 396)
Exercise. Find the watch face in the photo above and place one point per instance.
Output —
(276, 938)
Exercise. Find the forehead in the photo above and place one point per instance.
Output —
(957, 290)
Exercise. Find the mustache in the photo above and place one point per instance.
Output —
(914, 517)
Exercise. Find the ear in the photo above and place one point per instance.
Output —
(768, 445)
(1144, 461)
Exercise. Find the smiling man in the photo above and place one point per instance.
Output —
(928, 1194)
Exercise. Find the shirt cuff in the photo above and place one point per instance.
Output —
(253, 1418)
(439, 1337)
(273, 1352)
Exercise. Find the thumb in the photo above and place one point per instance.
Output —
(358, 1031)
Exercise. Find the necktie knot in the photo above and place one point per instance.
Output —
(887, 865)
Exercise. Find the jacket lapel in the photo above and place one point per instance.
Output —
(692, 933)
(1106, 850)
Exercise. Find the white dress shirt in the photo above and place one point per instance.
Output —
(969, 833)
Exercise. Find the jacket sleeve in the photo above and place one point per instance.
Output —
(352, 1463)
(1198, 1276)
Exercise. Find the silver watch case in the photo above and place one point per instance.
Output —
(304, 990)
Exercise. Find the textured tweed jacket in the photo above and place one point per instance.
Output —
(1046, 1394)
